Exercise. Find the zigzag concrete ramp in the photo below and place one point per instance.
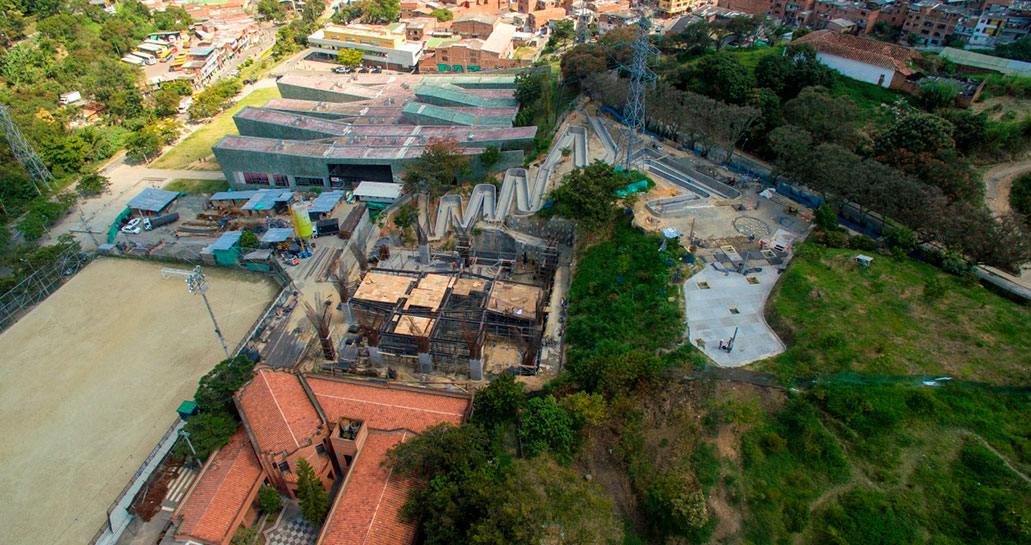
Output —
(492, 206)
(606, 139)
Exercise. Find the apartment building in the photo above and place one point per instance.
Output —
(386, 46)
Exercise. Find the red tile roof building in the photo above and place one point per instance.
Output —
(221, 498)
(343, 428)
(872, 61)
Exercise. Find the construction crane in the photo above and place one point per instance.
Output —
(641, 78)
(24, 153)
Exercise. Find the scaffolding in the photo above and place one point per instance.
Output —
(449, 315)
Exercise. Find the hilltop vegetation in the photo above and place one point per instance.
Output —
(896, 317)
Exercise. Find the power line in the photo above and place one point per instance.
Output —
(640, 77)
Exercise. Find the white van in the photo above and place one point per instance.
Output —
(184, 104)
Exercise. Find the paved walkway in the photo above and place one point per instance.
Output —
(711, 316)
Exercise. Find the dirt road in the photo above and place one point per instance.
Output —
(997, 183)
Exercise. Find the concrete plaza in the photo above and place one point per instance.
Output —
(731, 302)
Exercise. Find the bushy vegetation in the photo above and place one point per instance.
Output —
(1020, 197)
(479, 490)
(216, 419)
(837, 316)
(888, 464)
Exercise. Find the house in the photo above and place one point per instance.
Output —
(385, 46)
(377, 193)
(476, 25)
(863, 59)
(419, 28)
(475, 55)
(343, 428)
(537, 19)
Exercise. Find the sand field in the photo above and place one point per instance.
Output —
(90, 380)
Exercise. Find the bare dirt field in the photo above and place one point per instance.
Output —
(89, 382)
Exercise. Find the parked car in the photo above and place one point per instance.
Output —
(133, 227)
(377, 70)
(363, 70)
(251, 81)
(341, 70)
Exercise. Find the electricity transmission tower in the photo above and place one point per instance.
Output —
(24, 153)
(583, 23)
(640, 78)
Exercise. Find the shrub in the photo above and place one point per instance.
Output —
(862, 243)
(499, 402)
(826, 218)
(248, 240)
(269, 499)
(543, 426)
(934, 289)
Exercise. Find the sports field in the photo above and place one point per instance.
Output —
(89, 382)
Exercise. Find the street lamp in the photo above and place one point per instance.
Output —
(197, 284)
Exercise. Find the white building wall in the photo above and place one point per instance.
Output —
(857, 70)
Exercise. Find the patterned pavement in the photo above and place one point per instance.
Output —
(295, 532)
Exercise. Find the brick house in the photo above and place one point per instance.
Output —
(343, 428)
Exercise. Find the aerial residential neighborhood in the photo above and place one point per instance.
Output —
(738, 272)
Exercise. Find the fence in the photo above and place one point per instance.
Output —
(41, 283)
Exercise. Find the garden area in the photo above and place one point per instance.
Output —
(897, 317)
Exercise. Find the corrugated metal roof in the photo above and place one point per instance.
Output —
(277, 234)
(233, 195)
(226, 241)
(152, 200)
(325, 202)
(380, 190)
(1009, 67)
(266, 199)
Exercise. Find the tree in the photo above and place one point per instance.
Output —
(720, 76)
(826, 218)
(437, 169)
(490, 157)
(271, 10)
(248, 240)
(380, 12)
(546, 426)
(797, 69)
(588, 194)
(563, 32)
(441, 450)
(166, 102)
(142, 145)
(312, 10)
(215, 390)
(916, 133)
(93, 183)
(695, 37)
(269, 499)
(676, 504)
(529, 87)
(582, 61)
(498, 403)
(208, 431)
(172, 18)
(406, 216)
(442, 14)
(587, 410)
(826, 117)
(349, 57)
(310, 494)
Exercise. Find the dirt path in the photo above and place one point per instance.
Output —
(997, 183)
(1005, 460)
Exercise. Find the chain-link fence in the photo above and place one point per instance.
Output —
(43, 281)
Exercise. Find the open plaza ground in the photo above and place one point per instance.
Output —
(90, 381)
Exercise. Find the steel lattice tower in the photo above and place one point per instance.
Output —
(24, 152)
(640, 77)
(583, 23)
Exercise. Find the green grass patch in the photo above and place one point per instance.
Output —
(189, 185)
(839, 317)
(749, 57)
(868, 98)
(197, 146)
(890, 465)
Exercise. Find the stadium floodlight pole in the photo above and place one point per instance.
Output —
(197, 283)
